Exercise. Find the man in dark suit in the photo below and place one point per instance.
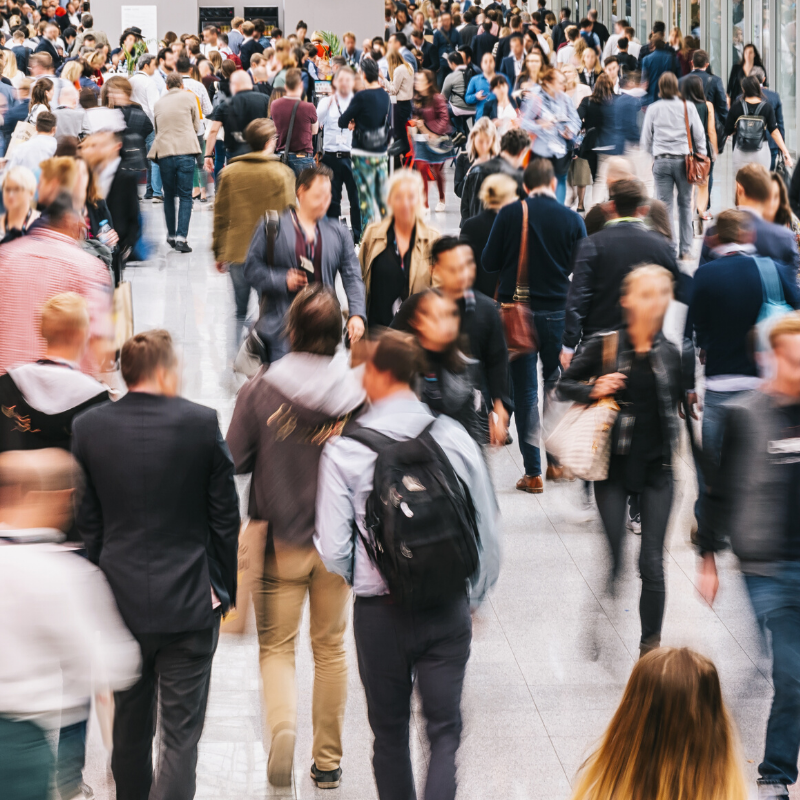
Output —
(713, 88)
(484, 42)
(446, 39)
(47, 44)
(504, 45)
(512, 65)
(426, 48)
(560, 30)
(160, 516)
(470, 30)
(753, 192)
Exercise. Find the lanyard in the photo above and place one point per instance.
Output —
(311, 247)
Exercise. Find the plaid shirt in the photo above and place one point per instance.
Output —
(35, 267)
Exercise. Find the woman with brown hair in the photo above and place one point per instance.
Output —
(41, 97)
(778, 210)
(597, 116)
(670, 739)
(590, 68)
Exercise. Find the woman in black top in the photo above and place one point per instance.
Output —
(750, 58)
(597, 116)
(692, 92)
(754, 104)
(116, 93)
(647, 378)
(368, 117)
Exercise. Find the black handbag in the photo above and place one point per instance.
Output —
(373, 140)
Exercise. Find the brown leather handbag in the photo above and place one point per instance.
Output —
(517, 316)
(697, 166)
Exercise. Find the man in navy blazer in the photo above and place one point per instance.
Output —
(512, 64)
(554, 231)
(753, 191)
(484, 42)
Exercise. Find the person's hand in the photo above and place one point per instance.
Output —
(565, 358)
(351, 125)
(787, 159)
(689, 405)
(546, 124)
(296, 279)
(208, 163)
(708, 580)
(480, 95)
(607, 385)
(701, 357)
(112, 237)
(355, 329)
(566, 133)
(498, 425)
(221, 266)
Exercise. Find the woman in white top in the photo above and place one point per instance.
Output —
(401, 91)
(41, 97)
(503, 110)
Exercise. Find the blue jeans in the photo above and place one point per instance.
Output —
(154, 186)
(525, 385)
(715, 415)
(776, 602)
(177, 173)
(71, 758)
(561, 188)
(299, 164)
(219, 158)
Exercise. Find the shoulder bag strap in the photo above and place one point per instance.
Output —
(288, 142)
(521, 293)
(374, 440)
(688, 129)
(770, 281)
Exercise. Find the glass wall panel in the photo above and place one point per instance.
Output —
(695, 20)
(714, 42)
(786, 84)
(764, 45)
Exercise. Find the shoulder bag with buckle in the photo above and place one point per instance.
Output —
(697, 166)
(517, 316)
(287, 144)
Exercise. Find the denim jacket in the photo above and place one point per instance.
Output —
(550, 141)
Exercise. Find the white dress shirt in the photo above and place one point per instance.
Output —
(334, 138)
(145, 92)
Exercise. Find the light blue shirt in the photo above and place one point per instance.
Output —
(539, 108)
(346, 472)
(481, 84)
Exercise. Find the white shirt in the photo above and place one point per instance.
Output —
(205, 49)
(334, 138)
(634, 48)
(565, 54)
(611, 46)
(106, 176)
(518, 64)
(205, 101)
(31, 153)
(145, 92)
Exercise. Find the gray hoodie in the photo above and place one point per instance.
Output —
(281, 421)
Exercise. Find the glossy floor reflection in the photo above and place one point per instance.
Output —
(551, 650)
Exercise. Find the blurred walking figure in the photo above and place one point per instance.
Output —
(306, 398)
(752, 501)
(648, 379)
(59, 626)
(158, 470)
(671, 730)
(422, 632)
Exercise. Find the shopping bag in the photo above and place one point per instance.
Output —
(23, 132)
(123, 314)
(252, 544)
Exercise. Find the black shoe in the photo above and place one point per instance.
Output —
(182, 247)
(148, 195)
(326, 780)
(171, 241)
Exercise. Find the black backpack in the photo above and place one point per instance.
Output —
(421, 523)
(750, 129)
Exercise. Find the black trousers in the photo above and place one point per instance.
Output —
(655, 502)
(393, 645)
(343, 176)
(176, 671)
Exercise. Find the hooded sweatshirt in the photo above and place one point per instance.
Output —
(39, 401)
(281, 421)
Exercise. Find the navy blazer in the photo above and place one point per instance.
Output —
(774, 99)
(482, 43)
(772, 241)
(715, 94)
(507, 69)
(654, 66)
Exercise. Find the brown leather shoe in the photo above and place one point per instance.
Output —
(557, 474)
(530, 483)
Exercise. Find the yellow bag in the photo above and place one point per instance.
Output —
(123, 314)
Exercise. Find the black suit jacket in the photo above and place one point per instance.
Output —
(160, 512)
(482, 43)
(123, 203)
(715, 94)
(46, 46)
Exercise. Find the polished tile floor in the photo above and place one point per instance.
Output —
(551, 651)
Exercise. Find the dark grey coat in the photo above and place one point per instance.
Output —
(269, 280)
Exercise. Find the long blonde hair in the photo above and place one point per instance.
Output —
(670, 739)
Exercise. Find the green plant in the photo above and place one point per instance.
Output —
(132, 58)
(332, 42)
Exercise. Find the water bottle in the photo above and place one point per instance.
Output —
(105, 229)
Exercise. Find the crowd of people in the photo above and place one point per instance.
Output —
(382, 364)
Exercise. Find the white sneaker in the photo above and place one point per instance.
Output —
(426, 212)
(440, 207)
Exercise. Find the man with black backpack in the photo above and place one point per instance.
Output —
(406, 514)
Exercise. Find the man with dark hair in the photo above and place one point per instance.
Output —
(320, 394)
(47, 44)
(611, 44)
(445, 39)
(659, 30)
(87, 27)
(470, 29)
(158, 470)
(603, 260)
(589, 36)
(39, 147)
(511, 66)
(513, 147)
(396, 645)
(715, 94)
(484, 42)
(504, 45)
(661, 60)
(627, 63)
(453, 273)
(559, 31)
(307, 247)
(251, 185)
(553, 234)
(300, 151)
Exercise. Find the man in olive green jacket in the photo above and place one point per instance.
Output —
(248, 187)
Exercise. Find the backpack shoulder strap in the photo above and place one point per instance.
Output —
(272, 225)
(770, 280)
(369, 437)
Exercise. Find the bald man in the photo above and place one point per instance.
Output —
(234, 116)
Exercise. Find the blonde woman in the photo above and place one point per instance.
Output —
(671, 737)
(577, 53)
(72, 72)
(483, 143)
(496, 191)
(394, 252)
(401, 89)
(590, 67)
(19, 186)
(10, 70)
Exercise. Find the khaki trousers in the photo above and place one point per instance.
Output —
(289, 575)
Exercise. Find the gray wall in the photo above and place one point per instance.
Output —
(363, 17)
